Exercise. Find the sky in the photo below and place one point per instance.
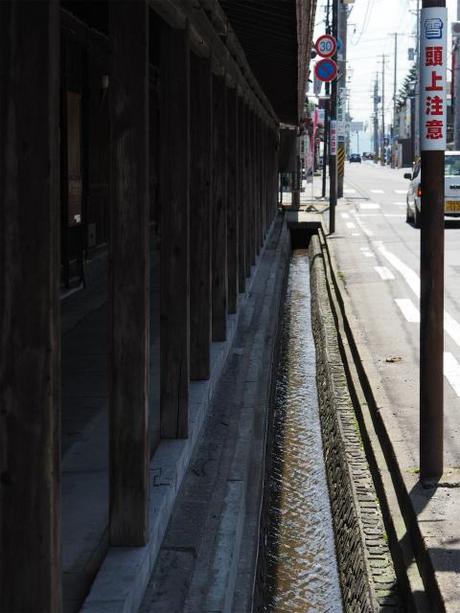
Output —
(371, 24)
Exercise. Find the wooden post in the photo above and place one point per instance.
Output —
(253, 191)
(259, 183)
(30, 567)
(219, 210)
(175, 232)
(232, 199)
(129, 273)
(201, 220)
(241, 196)
(248, 190)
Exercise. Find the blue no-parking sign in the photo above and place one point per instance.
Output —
(326, 70)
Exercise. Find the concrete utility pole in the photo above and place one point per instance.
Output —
(433, 129)
(333, 112)
(395, 78)
(376, 117)
(382, 157)
(417, 86)
(457, 85)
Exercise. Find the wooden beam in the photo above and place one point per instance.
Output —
(175, 232)
(129, 272)
(201, 220)
(219, 210)
(232, 199)
(30, 564)
(253, 187)
(241, 196)
(248, 189)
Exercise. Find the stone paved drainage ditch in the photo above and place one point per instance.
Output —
(301, 567)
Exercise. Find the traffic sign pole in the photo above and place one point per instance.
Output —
(433, 125)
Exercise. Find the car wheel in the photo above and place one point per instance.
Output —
(409, 217)
(416, 217)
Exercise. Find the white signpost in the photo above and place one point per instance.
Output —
(333, 133)
(433, 60)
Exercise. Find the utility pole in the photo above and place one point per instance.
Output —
(433, 129)
(417, 86)
(333, 114)
(395, 69)
(457, 85)
(376, 117)
(342, 84)
(382, 158)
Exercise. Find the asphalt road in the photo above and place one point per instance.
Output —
(378, 257)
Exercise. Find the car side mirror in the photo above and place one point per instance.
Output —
(408, 175)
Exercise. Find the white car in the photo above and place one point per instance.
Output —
(451, 189)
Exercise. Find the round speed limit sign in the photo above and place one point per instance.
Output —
(326, 45)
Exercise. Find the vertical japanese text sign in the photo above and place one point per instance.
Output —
(333, 139)
(433, 61)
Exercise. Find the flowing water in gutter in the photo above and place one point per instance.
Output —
(301, 564)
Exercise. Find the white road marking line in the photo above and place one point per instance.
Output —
(377, 191)
(355, 234)
(394, 215)
(369, 205)
(351, 225)
(411, 278)
(408, 309)
(452, 371)
(367, 253)
(384, 273)
(451, 325)
(366, 231)
(349, 191)
(345, 215)
(400, 191)
(400, 203)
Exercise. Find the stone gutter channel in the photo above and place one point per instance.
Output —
(210, 553)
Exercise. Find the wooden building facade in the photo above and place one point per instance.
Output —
(125, 124)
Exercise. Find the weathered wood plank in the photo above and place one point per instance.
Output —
(219, 211)
(175, 232)
(253, 187)
(241, 196)
(30, 574)
(232, 199)
(201, 219)
(129, 273)
(248, 190)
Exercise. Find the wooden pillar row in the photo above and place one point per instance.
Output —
(255, 170)
(30, 573)
(175, 232)
(232, 199)
(264, 180)
(219, 211)
(253, 185)
(129, 273)
(248, 188)
(242, 242)
(201, 219)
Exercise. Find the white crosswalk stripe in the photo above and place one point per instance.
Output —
(408, 309)
(384, 273)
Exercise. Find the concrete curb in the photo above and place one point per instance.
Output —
(399, 504)
(121, 581)
(366, 570)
